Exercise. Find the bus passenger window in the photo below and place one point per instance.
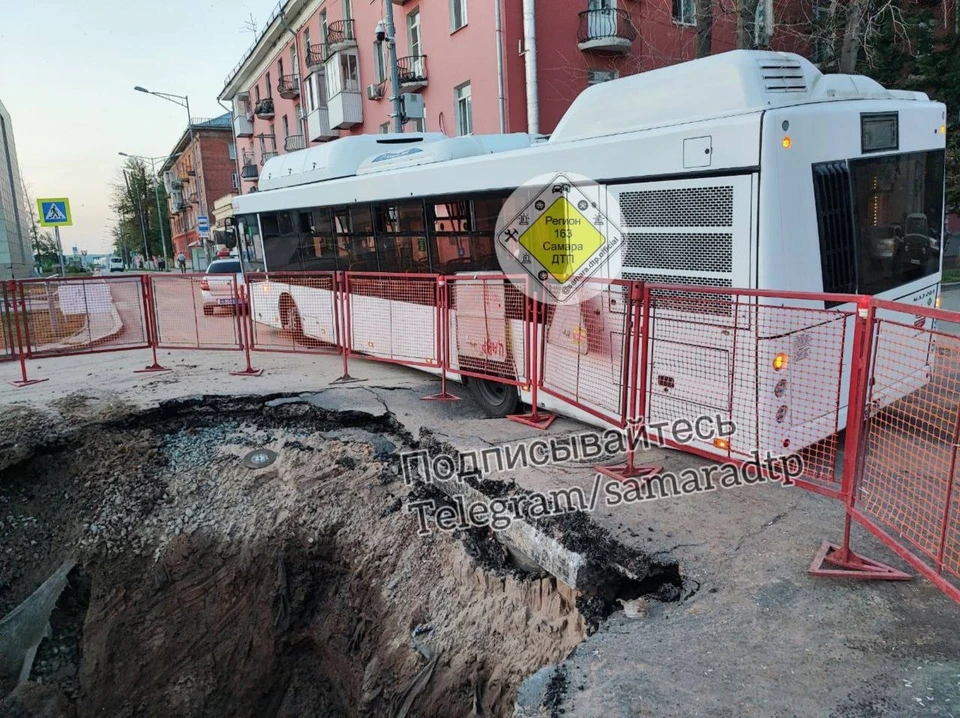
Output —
(401, 238)
(317, 247)
(280, 242)
(485, 213)
(356, 250)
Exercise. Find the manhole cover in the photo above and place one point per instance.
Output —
(259, 458)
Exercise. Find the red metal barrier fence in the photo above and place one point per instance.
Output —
(789, 371)
(188, 311)
(8, 339)
(905, 488)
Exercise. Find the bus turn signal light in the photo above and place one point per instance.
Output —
(939, 302)
(721, 444)
(787, 142)
(780, 361)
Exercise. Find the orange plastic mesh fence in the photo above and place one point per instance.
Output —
(196, 311)
(394, 318)
(294, 312)
(487, 333)
(773, 367)
(584, 348)
(907, 481)
(82, 316)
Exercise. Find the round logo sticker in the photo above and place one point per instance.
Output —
(555, 240)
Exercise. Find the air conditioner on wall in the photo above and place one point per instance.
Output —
(374, 92)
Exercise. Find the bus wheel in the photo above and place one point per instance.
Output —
(495, 398)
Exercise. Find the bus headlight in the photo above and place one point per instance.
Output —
(782, 413)
(780, 389)
(780, 361)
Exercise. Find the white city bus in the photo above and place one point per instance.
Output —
(746, 170)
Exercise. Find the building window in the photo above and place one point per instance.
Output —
(286, 127)
(306, 42)
(323, 27)
(418, 125)
(380, 65)
(294, 65)
(684, 12)
(595, 77)
(256, 91)
(458, 14)
(413, 33)
(385, 128)
(236, 181)
(232, 151)
(463, 106)
(269, 86)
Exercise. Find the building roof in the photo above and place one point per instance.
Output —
(277, 25)
(223, 123)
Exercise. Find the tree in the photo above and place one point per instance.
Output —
(134, 199)
(704, 13)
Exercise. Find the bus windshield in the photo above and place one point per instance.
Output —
(898, 213)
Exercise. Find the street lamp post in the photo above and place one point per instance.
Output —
(139, 210)
(184, 101)
(156, 191)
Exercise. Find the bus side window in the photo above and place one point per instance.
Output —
(317, 247)
(401, 238)
(280, 242)
(355, 245)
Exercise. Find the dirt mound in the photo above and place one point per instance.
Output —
(301, 588)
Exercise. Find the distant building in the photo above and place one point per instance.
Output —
(16, 256)
(192, 192)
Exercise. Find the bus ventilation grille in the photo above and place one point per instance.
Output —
(783, 76)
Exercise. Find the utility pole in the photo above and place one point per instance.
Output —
(395, 98)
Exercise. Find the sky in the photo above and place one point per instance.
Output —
(67, 72)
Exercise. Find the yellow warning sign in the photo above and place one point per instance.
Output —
(562, 239)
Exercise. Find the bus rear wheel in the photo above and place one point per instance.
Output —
(495, 398)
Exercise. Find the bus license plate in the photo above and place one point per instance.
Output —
(226, 301)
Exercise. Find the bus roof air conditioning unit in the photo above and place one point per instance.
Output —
(374, 92)
(412, 106)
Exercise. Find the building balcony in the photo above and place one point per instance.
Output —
(266, 156)
(346, 109)
(316, 55)
(412, 71)
(292, 143)
(243, 125)
(288, 87)
(264, 109)
(340, 36)
(249, 170)
(318, 126)
(400, 2)
(606, 30)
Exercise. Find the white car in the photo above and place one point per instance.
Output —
(115, 264)
(216, 287)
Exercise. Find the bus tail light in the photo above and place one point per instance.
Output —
(780, 361)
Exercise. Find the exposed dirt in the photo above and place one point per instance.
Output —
(206, 588)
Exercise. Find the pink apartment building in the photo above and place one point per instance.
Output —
(317, 71)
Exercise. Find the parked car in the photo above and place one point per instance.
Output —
(216, 287)
(115, 264)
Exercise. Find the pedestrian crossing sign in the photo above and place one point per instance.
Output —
(55, 212)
